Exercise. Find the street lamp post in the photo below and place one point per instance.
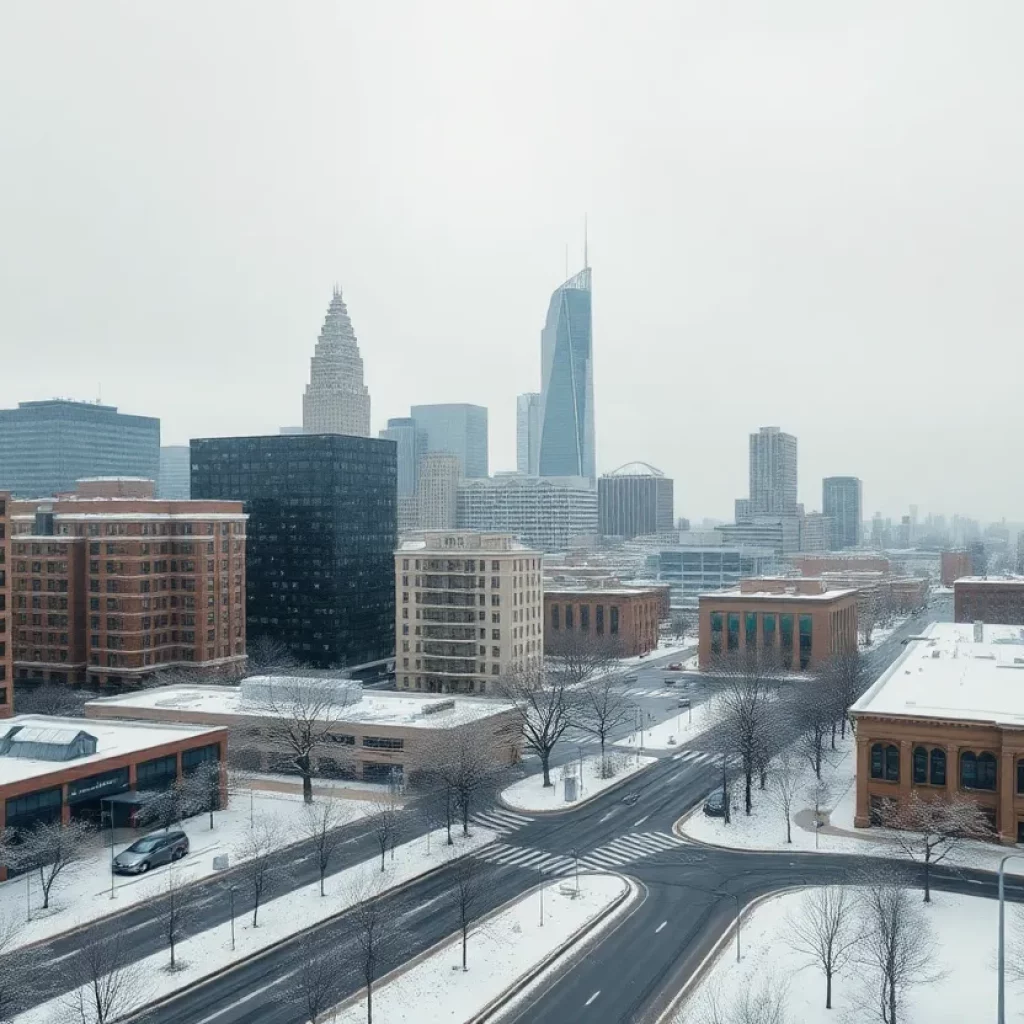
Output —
(110, 814)
(1001, 1013)
(231, 896)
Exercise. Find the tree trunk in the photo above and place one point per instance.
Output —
(255, 910)
(172, 954)
(545, 757)
(892, 1000)
(604, 763)
(307, 786)
(833, 735)
(748, 791)
(322, 871)
(465, 818)
(927, 877)
(45, 888)
(465, 942)
(369, 1002)
(789, 830)
(383, 850)
(828, 990)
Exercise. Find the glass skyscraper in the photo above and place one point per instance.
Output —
(567, 383)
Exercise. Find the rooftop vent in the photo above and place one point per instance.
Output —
(47, 743)
(441, 705)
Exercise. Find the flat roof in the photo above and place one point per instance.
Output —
(374, 708)
(598, 591)
(948, 675)
(992, 581)
(113, 739)
(768, 595)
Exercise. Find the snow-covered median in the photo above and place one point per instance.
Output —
(530, 794)
(501, 949)
(674, 732)
(957, 984)
(82, 893)
(211, 951)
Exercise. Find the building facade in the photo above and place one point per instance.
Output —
(468, 610)
(6, 629)
(320, 541)
(816, 532)
(779, 533)
(46, 446)
(989, 599)
(567, 441)
(109, 590)
(336, 399)
(544, 513)
(692, 571)
(772, 473)
(944, 720)
(410, 446)
(437, 493)
(795, 623)
(634, 500)
(954, 565)
(174, 482)
(458, 428)
(626, 618)
(528, 433)
(842, 500)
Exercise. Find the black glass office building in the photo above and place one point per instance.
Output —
(46, 446)
(567, 383)
(320, 541)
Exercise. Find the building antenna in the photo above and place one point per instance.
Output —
(586, 261)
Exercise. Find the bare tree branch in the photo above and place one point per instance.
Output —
(469, 886)
(375, 933)
(255, 849)
(825, 930)
(602, 706)
(108, 984)
(54, 849)
(385, 825)
(317, 979)
(322, 823)
(783, 786)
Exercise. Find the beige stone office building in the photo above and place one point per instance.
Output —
(469, 608)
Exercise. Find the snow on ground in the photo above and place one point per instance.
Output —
(529, 794)
(665, 649)
(82, 894)
(501, 949)
(674, 732)
(211, 951)
(964, 930)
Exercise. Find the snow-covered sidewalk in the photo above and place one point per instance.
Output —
(82, 893)
(964, 930)
(530, 794)
(211, 951)
(501, 949)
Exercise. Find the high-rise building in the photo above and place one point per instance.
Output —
(816, 532)
(694, 570)
(320, 542)
(457, 428)
(110, 585)
(175, 472)
(546, 513)
(567, 443)
(772, 473)
(6, 633)
(469, 609)
(842, 502)
(437, 491)
(634, 500)
(528, 433)
(411, 445)
(336, 399)
(46, 446)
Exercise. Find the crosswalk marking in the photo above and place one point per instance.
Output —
(499, 820)
(525, 857)
(632, 847)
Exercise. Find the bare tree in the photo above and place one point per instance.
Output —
(578, 655)
(374, 928)
(763, 1004)
(746, 687)
(679, 625)
(201, 788)
(826, 931)
(107, 983)
(930, 829)
(468, 888)
(819, 792)
(177, 906)
(165, 807)
(784, 783)
(322, 823)
(896, 945)
(384, 823)
(53, 699)
(544, 704)
(813, 711)
(316, 986)
(295, 718)
(848, 676)
(256, 849)
(601, 707)
(54, 849)
(265, 652)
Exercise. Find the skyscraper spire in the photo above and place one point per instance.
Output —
(336, 399)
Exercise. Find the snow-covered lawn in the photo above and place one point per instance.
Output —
(529, 794)
(665, 649)
(82, 894)
(211, 951)
(964, 930)
(501, 949)
(674, 732)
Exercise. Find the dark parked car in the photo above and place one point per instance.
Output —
(714, 806)
(149, 851)
(631, 798)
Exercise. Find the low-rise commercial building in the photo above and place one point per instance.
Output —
(954, 565)
(626, 617)
(797, 622)
(944, 719)
(376, 736)
(468, 610)
(992, 599)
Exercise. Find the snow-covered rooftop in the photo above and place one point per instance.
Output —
(113, 739)
(440, 711)
(774, 595)
(947, 674)
(995, 581)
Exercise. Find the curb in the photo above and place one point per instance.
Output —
(277, 943)
(581, 803)
(716, 951)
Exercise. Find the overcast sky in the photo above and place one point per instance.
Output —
(801, 213)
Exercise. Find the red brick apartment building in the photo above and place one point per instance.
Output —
(626, 615)
(989, 599)
(108, 585)
(6, 639)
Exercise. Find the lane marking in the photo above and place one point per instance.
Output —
(641, 821)
(606, 817)
(660, 926)
(592, 998)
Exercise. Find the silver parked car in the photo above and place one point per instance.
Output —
(149, 851)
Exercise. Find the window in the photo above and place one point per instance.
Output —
(554, 617)
(599, 618)
(786, 637)
(768, 630)
(750, 626)
(885, 762)
(805, 640)
(977, 771)
(568, 617)
(732, 631)
(584, 616)
(938, 767)
(615, 620)
(920, 766)
(716, 632)
(383, 742)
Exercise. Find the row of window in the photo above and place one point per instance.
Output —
(729, 624)
(584, 617)
(977, 771)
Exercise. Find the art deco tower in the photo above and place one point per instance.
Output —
(336, 400)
